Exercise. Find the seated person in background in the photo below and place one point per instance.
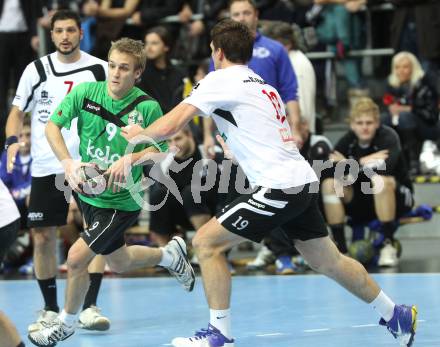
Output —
(171, 217)
(412, 106)
(161, 80)
(382, 189)
(18, 181)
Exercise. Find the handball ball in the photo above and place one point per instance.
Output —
(362, 251)
(92, 180)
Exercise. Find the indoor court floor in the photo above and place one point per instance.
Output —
(268, 311)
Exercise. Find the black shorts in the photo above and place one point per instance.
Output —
(295, 211)
(164, 220)
(106, 227)
(48, 206)
(8, 235)
(361, 207)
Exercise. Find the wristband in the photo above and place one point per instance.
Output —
(10, 141)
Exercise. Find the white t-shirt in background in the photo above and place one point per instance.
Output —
(42, 98)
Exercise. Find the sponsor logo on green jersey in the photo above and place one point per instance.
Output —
(102, 155)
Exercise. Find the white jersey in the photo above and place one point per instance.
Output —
(43, 85)
(9, 211)
(251, 118)
(305, 74)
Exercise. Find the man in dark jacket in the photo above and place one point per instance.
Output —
(377, 185)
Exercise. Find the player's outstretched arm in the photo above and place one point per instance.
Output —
(163, 128)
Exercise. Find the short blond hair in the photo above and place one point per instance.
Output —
(364, 106)
(135, 48)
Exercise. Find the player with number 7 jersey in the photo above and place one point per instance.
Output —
(43, 85)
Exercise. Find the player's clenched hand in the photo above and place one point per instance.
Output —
(72, 172)
(118, 172)
(131, 131)
(12, 154)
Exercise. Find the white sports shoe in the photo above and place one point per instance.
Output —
(44, 318)
(264, 257)
(51, 334)
(388, 255)
(181, 267)
(92, 319)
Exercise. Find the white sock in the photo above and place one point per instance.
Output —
(68, 319)
(221, 319)
(384, 306)
(167, 258)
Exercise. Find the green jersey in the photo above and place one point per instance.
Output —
(100, 119)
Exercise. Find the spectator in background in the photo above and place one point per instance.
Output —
(161, 80)
(415, 28)
(19, 180)
(88, 12)
(151, 12)
(18, 32)
(412, 106)
(382, 190)
(305, 73)
(278, 10)
(111, 16)
(339, 27)
(194, 38)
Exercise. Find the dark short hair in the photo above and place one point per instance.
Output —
(163, 33)
(63, 15)
(251, 2)
(235, 39)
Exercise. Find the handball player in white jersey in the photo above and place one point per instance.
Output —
(251, 119)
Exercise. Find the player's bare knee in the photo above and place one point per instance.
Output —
(43, 237)
(328, 186)
(203, 247)
(383, 184)
(326, 265)
(75, 262)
